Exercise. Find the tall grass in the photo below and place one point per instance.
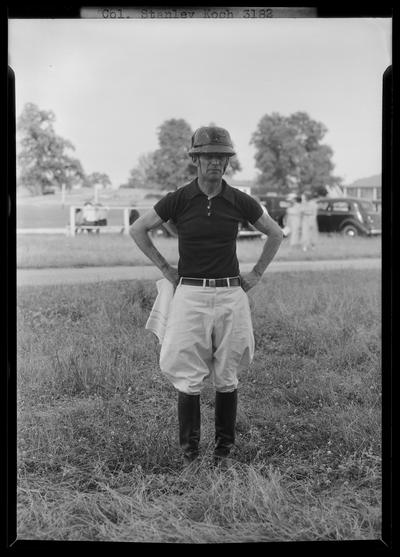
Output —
(98, 454)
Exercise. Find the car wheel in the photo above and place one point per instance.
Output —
(350, 230)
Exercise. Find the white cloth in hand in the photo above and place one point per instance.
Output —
(158, 317)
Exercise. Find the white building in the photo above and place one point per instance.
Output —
(365, 188)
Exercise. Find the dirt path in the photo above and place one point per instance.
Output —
(40, 277)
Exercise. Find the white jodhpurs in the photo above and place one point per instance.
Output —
(209, 332)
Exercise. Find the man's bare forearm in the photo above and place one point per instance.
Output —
(270, 248)
(144, 243)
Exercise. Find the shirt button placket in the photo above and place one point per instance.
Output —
(209, 208)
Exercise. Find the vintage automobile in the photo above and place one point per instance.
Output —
(346, 215)
(349, 216)
(276, 206)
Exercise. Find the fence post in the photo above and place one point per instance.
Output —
(126, 220)
(72, 220)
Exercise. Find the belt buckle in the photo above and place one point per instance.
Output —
(211, 282)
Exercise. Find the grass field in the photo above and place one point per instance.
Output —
(98, 455)
(40, 251)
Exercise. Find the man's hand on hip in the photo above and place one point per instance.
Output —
(249, 280)
(171, 273)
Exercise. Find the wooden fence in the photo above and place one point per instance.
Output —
(73, 227)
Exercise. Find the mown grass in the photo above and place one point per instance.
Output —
(41, 251)
(98, 455)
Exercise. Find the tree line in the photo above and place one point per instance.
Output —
(45, 160)
(290, 156)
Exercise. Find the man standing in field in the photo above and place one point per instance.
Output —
(209, 329)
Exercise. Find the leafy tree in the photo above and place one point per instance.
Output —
(97, 178)
(44, 158)
(290, 155)
(171, 166)
(139, 175)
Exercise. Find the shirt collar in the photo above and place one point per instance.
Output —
(226, 192)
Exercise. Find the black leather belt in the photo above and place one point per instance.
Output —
(229, 281)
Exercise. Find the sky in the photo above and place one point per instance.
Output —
(112, 83)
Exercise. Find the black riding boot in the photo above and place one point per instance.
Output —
(189, 425)
(225, 421)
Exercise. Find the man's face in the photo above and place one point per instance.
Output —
(211, 165)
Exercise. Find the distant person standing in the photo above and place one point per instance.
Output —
(78, 220)
(294, 222)
(89, 214)
(309, 226)
(314, 232)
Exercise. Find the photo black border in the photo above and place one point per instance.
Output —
(9, 290)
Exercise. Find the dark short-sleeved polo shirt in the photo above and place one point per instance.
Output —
(208, 228)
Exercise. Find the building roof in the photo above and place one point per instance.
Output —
(370, 182)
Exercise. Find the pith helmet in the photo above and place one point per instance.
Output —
(211, 139)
